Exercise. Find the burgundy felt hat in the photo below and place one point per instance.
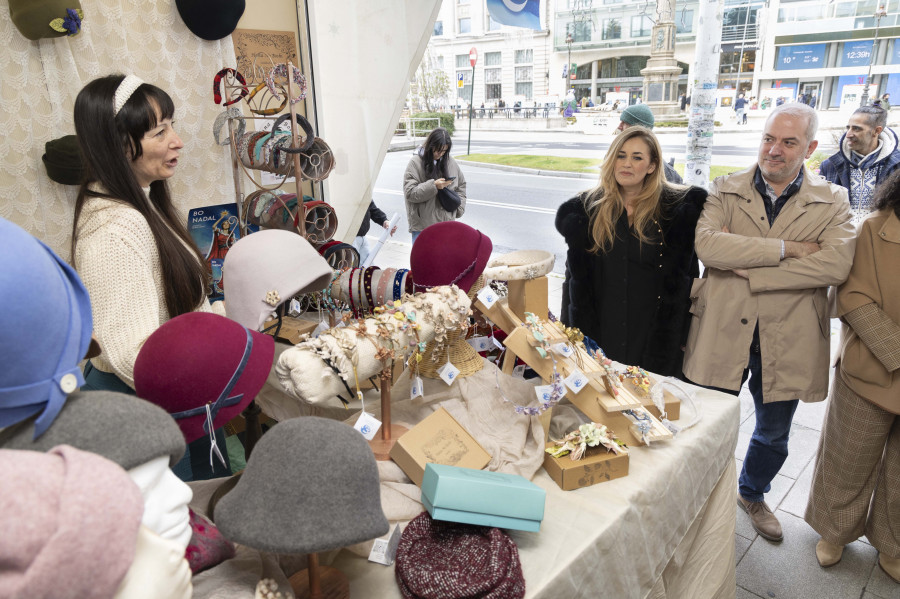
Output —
(199, 359)
(436, 560)
(449, 253)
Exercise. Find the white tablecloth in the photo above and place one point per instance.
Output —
(665, 530)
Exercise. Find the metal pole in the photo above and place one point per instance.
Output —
(471, 108)
(703, 96)
(865, 95)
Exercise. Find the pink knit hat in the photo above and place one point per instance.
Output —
(70, 522)
(438, 560)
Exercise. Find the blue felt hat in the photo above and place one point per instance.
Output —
(45, 325)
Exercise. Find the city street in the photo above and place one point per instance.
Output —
(516, 209)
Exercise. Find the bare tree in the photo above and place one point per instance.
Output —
(431, 83)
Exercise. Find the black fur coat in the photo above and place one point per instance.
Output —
(655, 339)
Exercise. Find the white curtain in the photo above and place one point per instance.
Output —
(365, 54)
(40, 79)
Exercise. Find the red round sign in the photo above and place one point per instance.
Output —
(473, 56)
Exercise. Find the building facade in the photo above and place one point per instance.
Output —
(775, 50)
(824, 49)
(513, 63)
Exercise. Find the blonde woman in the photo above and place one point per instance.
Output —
(630, 260)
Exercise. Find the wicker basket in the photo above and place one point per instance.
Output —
(462, 355)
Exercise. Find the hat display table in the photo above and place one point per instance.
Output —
(596, 400)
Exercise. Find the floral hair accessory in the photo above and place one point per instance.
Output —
(280, 70)
(575, 444)
(272, 298)
(69, 25)
(638, 377)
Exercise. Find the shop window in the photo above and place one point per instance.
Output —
(523, 56)
(612, 29)
(493, 91)
(630, 66)
(465, 25)
(492, 59)
(438, 28)
(462, 61)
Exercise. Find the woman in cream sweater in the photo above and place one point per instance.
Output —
(129, 244)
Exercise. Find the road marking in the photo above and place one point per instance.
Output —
(537, 209)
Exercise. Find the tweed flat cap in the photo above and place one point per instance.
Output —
(436, 560)
(310, 485)
(122, 428)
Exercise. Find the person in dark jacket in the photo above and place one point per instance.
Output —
(377, 216)
(867, 156)
(630, 259)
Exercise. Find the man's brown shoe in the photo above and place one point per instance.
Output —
(828, 554)
(764, 521)
(891, 566)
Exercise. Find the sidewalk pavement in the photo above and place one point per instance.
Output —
(765, 570)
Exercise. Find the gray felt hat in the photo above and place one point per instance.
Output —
(310, 485)
(122, 428)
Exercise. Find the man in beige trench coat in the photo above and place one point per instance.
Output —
(772, 239)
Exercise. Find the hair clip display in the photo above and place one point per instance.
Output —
(575, 444)
(638, 377)
(217, 84)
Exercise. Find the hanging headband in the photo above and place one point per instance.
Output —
(128, 86)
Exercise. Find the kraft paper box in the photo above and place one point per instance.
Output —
(599, 465)
(483, 498)
(438, 439)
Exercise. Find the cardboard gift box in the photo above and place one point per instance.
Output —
(438, 439)
(598, 465)
(482, 497)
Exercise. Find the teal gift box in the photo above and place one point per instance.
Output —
(482, 497)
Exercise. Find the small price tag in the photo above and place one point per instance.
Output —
(488, 297)
(368, 425)
(544, 393)
(385, 549)
(563, 349)
(496, 343)
(519, 371)
(294, 308)
(321, 328)
(415, 389)
(480, 343)
(448, 373)
(576, 381)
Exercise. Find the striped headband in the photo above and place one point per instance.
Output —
(128, 86)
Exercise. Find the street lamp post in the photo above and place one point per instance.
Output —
(879, 14)
(569, 41)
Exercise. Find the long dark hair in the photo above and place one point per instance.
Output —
(436, 140)
(887, 195)
(109, 144)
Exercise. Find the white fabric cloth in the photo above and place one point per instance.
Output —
(625, 535)
(41, 79)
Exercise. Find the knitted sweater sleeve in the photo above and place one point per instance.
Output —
(117, 259)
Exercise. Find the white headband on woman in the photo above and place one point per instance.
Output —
(129, 84)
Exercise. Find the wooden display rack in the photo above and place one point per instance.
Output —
(594, 400)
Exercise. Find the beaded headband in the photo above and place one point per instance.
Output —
(128, 86)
